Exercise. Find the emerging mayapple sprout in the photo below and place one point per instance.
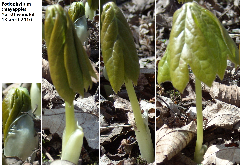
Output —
(122, 66)
(70, 71)
(70, 67)
(20, 138)
(35, 94)
(200, 41)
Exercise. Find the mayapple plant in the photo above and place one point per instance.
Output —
(70, 71)
(35, 94)
(20, 138)
(122, 66)
(198, 40)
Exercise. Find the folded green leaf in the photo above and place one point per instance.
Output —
(76, 10)
(70, 67)
(118, 48)
(16, 102)
(199, 40)
(73, 70)
(102, 2)
(55, 27)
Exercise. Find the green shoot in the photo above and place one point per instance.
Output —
(35, 94)
(18, 126)
(70, 71)
(122, 66)
(200, 41)
(14, 104)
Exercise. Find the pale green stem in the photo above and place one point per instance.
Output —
(72, 139)
(142, 132)
(70, 118)
(70, 121)
(198, 155)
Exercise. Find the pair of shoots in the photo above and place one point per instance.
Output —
(71, 71)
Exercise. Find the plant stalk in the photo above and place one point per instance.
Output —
(72, 136)
(70, 118)
(70, 125)
(199, 151)
(142, 132)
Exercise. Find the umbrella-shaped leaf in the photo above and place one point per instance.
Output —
(199, 40)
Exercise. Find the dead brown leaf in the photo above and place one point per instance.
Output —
(170, 142)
